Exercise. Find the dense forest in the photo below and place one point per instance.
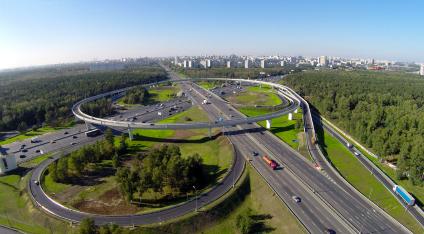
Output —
(83, 161)
(24, 104)
(162, 170)
(385, 111)
(137, 95)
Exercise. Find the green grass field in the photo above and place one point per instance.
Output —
(206, 84)
(17, 210)
(157, 95)
(217, 155)
(283, 128)
(254, 95)
(357, 175)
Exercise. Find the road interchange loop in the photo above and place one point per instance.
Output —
(42, 200)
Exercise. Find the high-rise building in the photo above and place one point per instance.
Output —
(323, 60)
(422, 70)
(228, 64)
(262, 63)
(190, 64)
(175, 60)
(246, 63)
(283, 63)
(185, 63)
(208, 63)
(203, 63)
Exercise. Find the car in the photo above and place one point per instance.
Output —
(52, 142)
(66, 133)
(24, 150)
(73, 143)
(22, 156)
(349, 145)
(329, 231)
(74, 137)
(23, 146)
(36, 182)
(254, 153)
(356, 153)
(296, 199)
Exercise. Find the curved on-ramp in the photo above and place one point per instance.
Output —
(42, 200)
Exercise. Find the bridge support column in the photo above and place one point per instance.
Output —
(290, 116)
(295, 111)
(87, 125)
(268, 124)
(129, 133)
(210, 132)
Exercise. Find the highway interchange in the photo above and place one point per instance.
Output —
(327, 203)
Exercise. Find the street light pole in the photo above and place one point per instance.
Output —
(195, 193)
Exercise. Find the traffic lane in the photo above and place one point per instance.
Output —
(319, 183)
(128, 220)
(316, 219)
(370, 168)
(318, 224)
(125, 114)
(5, 230)
(380, 220)
(59, 134)
(351, 207)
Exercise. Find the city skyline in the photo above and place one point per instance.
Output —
(48, 32)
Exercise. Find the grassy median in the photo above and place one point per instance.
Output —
(358, 176)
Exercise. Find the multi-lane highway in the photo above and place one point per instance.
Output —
(325, 204)
(347, 211)
(369, 166)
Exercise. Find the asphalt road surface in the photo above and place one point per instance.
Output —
(341, 211)
(128, 220)
(367, 165)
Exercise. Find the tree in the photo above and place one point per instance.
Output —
(109, 136)
(115, 161)
(53, 171)
(62, 170)
(244, 222)
(122, 148)
(87, 226)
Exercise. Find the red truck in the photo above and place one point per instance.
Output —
(273, 164)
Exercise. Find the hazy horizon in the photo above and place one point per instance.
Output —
(53, 32)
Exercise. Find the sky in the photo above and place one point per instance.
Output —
(37, 32)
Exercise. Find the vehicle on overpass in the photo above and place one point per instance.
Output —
(273, 164)
(406, 197)
(93, 133)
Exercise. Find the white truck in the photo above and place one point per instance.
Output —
(205, 101)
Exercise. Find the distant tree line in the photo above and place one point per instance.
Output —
(48, 100)
(383, 110)
(235, 72)
(161, 170)
(77, 163)
(98, 108)
(138, 95)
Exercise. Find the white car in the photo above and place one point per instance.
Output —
(356, 153)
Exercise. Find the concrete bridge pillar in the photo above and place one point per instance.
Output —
(290, 116)
(129, 133)
(268, 124)
(295, 111)
(87, 125)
